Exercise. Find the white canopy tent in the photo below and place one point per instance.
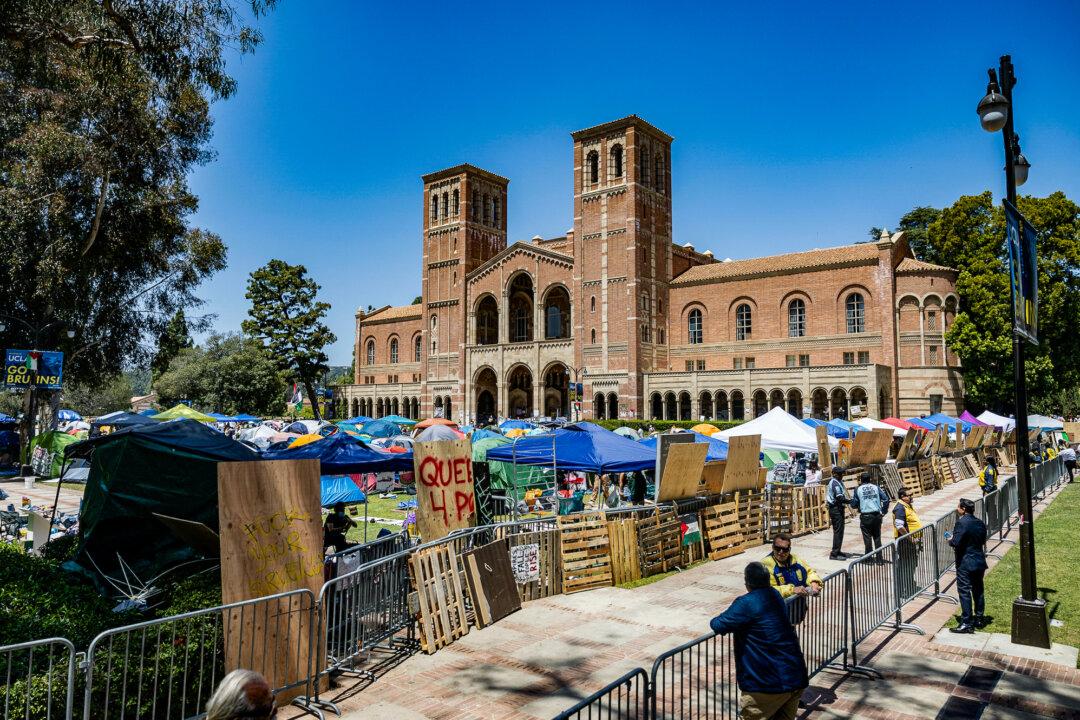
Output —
(997, 420)
(1044, 422)
(779, 431)
(871, 424)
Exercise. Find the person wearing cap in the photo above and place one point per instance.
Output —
(967, 540)
(872, 503)
(836, 499)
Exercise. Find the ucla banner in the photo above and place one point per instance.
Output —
(34, 368)
(1023, 273)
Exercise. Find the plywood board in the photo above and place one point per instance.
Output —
(906, 446)
(549, 581)
(623, 542)
(722, 530)
(492, 588)
(870, 447)
(445, 498)
(743, 463)
(713, 477)
(1072, 429)
(664, 442)
(586, 557)
(271, 542)
(682, 473)
(824, 452)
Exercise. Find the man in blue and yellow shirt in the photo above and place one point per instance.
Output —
(790, 575)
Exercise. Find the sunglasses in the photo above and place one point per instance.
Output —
(781, 549)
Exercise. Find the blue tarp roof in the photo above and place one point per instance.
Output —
(244, 417)
(122, 419)
(942, 419)
(223, 418)
(342, 453)
(380, 429)
(515, 425)
(836, 428)
(340, 488)
(921, 422)
(358, 420)
(182, 434)
(399, 419)
(481, 433)
(717, 447)
(583, 447)
(148, 412)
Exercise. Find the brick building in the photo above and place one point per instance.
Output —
(649, 329)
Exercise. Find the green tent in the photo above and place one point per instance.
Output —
(774, 456)
(47, 452)
(164, 468)
(183, 411)
(503, 475)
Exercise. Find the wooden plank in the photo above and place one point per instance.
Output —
(713, 477)
(870, 447)
(445, 497)
(751, 516)
(491, 584)
(781, 510)
(682, 473)
(585, 553)
(824, 452)
(722, 530)
(659, 542)
(890, 477)
(623, 541)
(271, 542)
(909, 476)
(907, 445)
(811, 513)
(743, 463)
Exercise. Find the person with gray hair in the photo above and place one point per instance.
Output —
(242, 694)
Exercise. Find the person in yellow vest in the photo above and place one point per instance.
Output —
(792, 578)
(906, 522)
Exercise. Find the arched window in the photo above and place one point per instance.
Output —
(434, 334)
(592, 336)
(659, 175)
(495, 211)
(743, 322)
(660, 336)
(592, 304)
(796, 318)
(643, 166)
(457, 202)
(616, 161)
(370, 352)
(416, 349)
(856, 313)
(393, 350)
(593, 161)
(474, 209)
(487, 209)
(694, 327)
(434, 207)
(646, 303)
(445, 204)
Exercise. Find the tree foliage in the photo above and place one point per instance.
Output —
(969, 236)
(103, 397)
(288, 318)
(104, 110)
(231, 374)
(172, 340)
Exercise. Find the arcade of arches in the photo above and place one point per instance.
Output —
(722, 405)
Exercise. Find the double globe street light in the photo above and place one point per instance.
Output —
(997, 113)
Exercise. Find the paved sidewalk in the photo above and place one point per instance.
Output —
(555, 651)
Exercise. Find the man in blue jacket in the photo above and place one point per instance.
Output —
(872, 504)
(769, 665)
(967, 540)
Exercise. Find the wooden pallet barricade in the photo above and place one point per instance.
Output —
(781, 509)
(586, 556)
(437, 581)
(549, 579)
(722, 530)
(811, 512)
(623, 543)
(909, 476)
(890, 479)
(928, 476)
(659, 543)
(751, 516)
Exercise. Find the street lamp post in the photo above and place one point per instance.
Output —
(997, 112)
(574, 412)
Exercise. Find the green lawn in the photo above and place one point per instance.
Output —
(1057, 571)
(380, 508)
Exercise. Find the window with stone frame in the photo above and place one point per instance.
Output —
(457, 202)
(416, 349)
(700, 365)
(370, 352)
(796, 318)
(855, 311)
(393, 350)
(616, 161)
(849, 358)
(750, 363)
(804, 361)
(789, 361)
(933, 354)
(592, 163)
(736, 363)
(931, 320)
(693, 327)
(743, 322)
(864, 357)
(689, 365)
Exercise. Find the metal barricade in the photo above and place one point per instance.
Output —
(361, 610)
(820, 621)
(168, 668)
(873, 583)
(696, 680)
(349, 559)
(626, 699)
(39, 679)
(915, 570)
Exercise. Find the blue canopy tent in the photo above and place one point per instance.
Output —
(947, 420)
(398, 419)
(340, 488)
(481, 433)
(148, 412)
(836, 428)
(223, 418)
(122, 419)
(921, 422)
(244, 417)
(515, 425)
(358, 420)
(379, 429)
(717, 447)
(342, 454)
(581, 447)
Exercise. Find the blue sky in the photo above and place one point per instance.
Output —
(796, 125)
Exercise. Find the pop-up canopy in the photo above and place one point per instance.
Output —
(968, 417)
(182, 411)
(121, 419)
(583, 447)
(871, 424)
(938, 419)
(1045, 423)
(836, 428)
(1005, 423)
(779, 431)
(341, 454)
(718, 449)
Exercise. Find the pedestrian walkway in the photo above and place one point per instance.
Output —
(557, 650)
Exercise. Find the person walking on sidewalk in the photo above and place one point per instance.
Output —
(872, 503)
(836, 500)
(905, 522)
(769, 665)
(967, 540)
(989, 476)
(1068, 456)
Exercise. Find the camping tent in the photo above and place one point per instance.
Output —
(66, 415)
(182, 412)
(902, 424)
(398, 419)
(922, 423)
(1005, 423)
(340, 488)
(717, 448)
(223, 418)
(434, 421)
(121, 419)
(871, 424)
(167, 468)
(358, 420)
(582, 446)
(47, 452)
(779, 431)
(439, 432)
(379, 428)
(341, 454)
(505, 477)
(968, 417)
(515, 425)
(1044, 422)
(244, 417)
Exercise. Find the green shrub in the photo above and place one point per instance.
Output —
(61, 549)
(664, 425)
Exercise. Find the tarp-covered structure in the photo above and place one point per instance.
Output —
(718, 448)
(835, 428)
(47, 452)
(343, 454)
(872, 424)
(1005, 423)
(939, 419)
(121, 419)
(779, 430)
(505, 477)
(166, 468)
(182, 412)
(340, 488)
(1044, 423)
(582, 447)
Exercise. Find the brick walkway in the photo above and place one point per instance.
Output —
(555, 651)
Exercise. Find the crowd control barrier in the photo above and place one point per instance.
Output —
(626, 698)
(696, 680)
(38, 679)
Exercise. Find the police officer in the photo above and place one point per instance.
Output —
(836, 499)
(872, 503)
(967, 540)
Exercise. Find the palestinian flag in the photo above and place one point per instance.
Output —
(691, 533)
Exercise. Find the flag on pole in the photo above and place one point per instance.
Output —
(297, 400)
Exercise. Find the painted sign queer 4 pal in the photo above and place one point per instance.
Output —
(444, 487)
